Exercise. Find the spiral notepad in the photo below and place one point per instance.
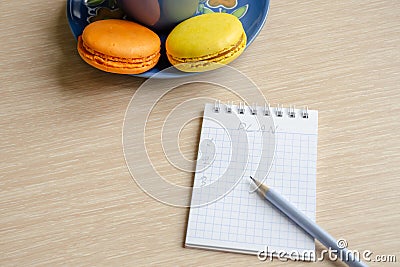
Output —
(240, 221)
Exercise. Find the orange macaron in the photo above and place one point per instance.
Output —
(119, 46)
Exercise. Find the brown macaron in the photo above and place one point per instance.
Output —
(119, 46)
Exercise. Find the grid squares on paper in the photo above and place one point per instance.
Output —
(242, 220)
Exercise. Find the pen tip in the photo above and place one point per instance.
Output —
(257, 183)
(261, 187)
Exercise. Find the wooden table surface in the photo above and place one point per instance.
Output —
(67, 197)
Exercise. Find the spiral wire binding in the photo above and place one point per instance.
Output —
(217, 106)
(229, 107)
(278, 110)
(267, 108)
(304, 112)
(292, 113)
(241, 109)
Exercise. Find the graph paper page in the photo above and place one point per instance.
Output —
(242, 221)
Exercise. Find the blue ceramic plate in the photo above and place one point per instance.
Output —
(252, 14)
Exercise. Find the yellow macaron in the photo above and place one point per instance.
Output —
(206, 42)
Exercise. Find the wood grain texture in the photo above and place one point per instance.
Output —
(67, 197)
